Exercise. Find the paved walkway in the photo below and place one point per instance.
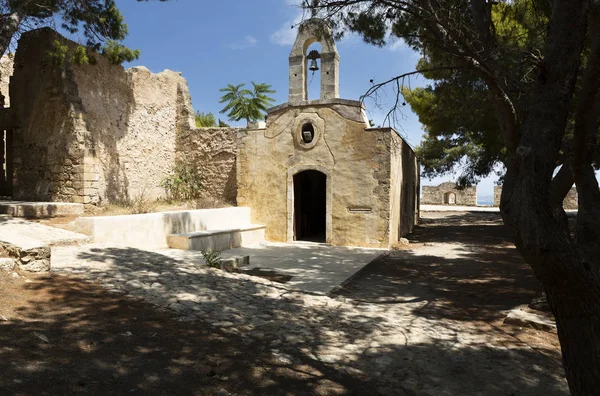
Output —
(28, 234)
(315, 268)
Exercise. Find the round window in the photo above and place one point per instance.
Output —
(308, 132)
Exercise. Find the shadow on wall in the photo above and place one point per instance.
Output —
(107, 104)
(47, 149)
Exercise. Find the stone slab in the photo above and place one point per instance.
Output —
(315, 268)
(218, 239)
(29, 234)
(38, 210)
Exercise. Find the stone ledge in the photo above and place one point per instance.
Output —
(40, 209)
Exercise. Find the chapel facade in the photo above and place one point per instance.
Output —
(317, 171)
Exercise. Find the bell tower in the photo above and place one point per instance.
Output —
(311, 31)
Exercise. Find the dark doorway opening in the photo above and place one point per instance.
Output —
(310, 206)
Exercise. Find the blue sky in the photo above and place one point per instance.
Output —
(215, 43)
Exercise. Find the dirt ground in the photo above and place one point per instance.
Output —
(59, 335)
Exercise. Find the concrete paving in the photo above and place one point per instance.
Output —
(315, 268)
(28, 234)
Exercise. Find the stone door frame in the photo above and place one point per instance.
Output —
(290, 199)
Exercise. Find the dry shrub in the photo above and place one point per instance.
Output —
(210, 203)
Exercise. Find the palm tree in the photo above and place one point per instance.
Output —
(244, 103)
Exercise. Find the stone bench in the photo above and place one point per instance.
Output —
(217, 239)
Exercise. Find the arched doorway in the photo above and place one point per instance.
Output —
(310, 207)
(450, 198)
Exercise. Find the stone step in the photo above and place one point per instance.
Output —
(36, 210)
(218, 239)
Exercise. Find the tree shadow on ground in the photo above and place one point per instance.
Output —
(479, 277)
(252, 337)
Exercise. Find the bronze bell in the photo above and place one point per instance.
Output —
(313, 65)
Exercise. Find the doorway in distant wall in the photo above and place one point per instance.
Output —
(310, 190)
(450, 198)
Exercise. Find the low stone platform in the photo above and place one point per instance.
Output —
(211, 240)
(37, 210)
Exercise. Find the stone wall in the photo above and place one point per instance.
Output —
(213, 151)
(6, 70)
(497, 195)
(442, 195)
(569, 203)
(92, 133)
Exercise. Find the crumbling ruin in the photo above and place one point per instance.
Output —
(449, 193)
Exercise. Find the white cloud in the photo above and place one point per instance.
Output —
(247, 42)
(286, 34)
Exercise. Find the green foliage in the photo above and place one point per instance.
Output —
(118, 53)
(223, 124)
(183, 183)
(99, 22)
(78, 55)
(205, 120)
(212, 258)
(58, 52)
(457, 109)
(245, 104)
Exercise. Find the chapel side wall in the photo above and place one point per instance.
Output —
(409, 207)
(213, 151)
(48, 146)
(357, 161)
(396, 184)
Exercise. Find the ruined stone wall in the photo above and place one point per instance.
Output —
(569, 203)
(132, 122)
(6, 70)
(48, 146)
(213, 151)
(497, 195)
(357, 163)
(92, 133)
(439, 195)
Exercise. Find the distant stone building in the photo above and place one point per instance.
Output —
(449, 193)
(318, 171)
(569, 203)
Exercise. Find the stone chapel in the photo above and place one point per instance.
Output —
(317, 171)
